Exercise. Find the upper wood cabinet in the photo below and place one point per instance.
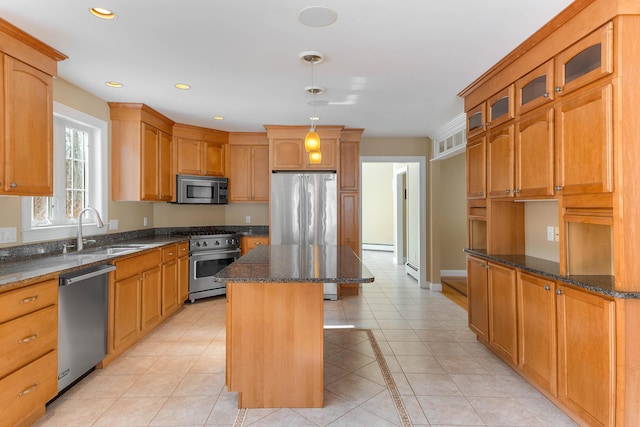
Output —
(140, 153)
(500, 107)
(477, 168)
(588, 60)
(500, 162)
(584, 141)
(26, 113)
(476, 120)
(286, 148)
(534, 154)
(200, 151)
(248, 168)
(349, 166)
(535, 89)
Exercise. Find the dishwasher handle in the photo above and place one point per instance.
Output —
(96, 271)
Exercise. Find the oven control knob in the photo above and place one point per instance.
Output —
(217, 243)
(198, 244)
(205, 243)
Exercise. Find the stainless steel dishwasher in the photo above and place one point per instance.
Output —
(82, 322)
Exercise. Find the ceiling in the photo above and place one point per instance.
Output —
(391, 67)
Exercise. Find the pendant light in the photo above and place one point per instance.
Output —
(312, 139)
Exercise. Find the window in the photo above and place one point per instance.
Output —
(79, 179)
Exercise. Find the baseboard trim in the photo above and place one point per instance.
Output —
(377, 247)
(453, 273)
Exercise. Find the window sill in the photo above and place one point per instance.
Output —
(57, 232)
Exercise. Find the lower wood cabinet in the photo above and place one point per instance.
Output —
(503, 336)
(169, 279)
(183, 272)
(28, 351)
(586, 355)
(251, 242)
(560, 338)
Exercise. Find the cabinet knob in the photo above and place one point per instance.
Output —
(482, 264)
(546, 94)
(480, 194)
(13, 185)
(507, 191)
(558, 291)
(558, 89)
(558, 188)
(547, 288)
(487, 124)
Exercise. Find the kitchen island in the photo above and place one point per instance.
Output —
(275, 321)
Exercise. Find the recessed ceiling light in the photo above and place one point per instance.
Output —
(317, 16)
(314, 118)
(102, 13)
(183, 86)
(113, 84)
(218, 118)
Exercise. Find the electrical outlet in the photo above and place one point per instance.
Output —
(550, 233)
(8, 234)
(113, 224)
(556, 234)
(247, 219)
(145, 222)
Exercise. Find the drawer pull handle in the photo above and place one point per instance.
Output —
(170, 253)
(28, 339)
(28, 299)
(547, 288)
(29, 390)
(257, 243)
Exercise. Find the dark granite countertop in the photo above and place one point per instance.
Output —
(15, 274)
(604, 285)
(297, 263)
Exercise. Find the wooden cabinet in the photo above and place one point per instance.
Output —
(135, 299)
(584, 141)
(141, 141)
(349, 166)
(535, 88)
(586, 355)
(250, 242)
(534, 155)
(249, 173)
(289, 154)
(537, 349)
(28, 351)
(183, 272)
(478, 298)
(476, 120)
(27, 140)
(200, 151)
(503, 336)
(500, 162)
(169, 279)
(586, 61)
(500, 107)
(476, 168)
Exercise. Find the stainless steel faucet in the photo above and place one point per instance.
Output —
(79, 242)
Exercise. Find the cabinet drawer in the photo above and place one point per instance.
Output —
(183, 249)
(26, 338)
(30, 387)
(134, 265)
(169, 253)
(28, 299)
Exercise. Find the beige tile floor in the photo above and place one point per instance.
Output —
(175, 376)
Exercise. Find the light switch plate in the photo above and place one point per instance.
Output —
(550, 233)
(113, 224)
(247, 219)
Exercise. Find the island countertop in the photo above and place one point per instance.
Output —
(297, 264)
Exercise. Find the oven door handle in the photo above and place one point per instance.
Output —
(215, 254)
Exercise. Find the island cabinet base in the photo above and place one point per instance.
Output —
(275, 344)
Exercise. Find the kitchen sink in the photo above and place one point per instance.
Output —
(110, 251)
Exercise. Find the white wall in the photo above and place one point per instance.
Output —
(413, 214)
(377, 203)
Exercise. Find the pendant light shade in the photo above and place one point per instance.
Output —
(312, 141)
(315, 157)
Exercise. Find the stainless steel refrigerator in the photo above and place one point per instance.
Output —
(304, 211)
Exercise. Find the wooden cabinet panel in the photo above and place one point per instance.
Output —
(249, 174)
(189, 156)
(165, 175)
(149, 163)
(287, 154)
(503, 336)
(535, 88)
(586, 61)
(329, 149)
(169, 287)
(500, 107)
(151, 298)
(586, 355)
(183, 275)
(537, 355)
(27, 138)
(476, 168)
(500, 162)
(247, 243)
(126, 312)
(349, 166)
(476, 120)
(213, 159)
(584, 142)
(349, 221)
(534, 151)
(478, 298)
(28, 299)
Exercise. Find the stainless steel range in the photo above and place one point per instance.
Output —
(208, 254)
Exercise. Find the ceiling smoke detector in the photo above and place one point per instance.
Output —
(317, 16)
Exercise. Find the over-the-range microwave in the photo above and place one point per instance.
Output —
(210, 190)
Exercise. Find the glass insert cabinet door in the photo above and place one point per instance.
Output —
(588, 60)
(535, 88)
(500, 107)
